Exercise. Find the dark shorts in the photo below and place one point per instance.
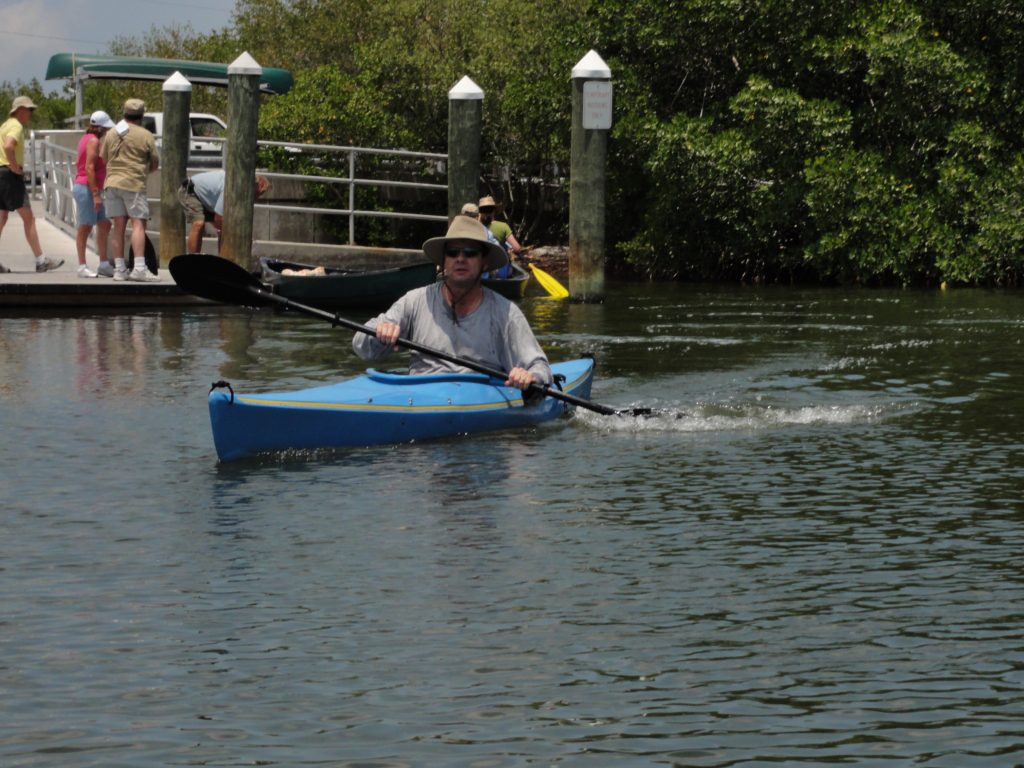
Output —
(12, 190)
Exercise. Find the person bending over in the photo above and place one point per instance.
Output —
(202, 198)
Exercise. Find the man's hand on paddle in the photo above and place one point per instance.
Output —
(388, 333)
(520, 378)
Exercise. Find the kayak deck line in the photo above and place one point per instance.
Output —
(517, 402)
(370, 406)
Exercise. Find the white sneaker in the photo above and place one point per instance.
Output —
(142, 275)
(84, 271)
(105, 270)
(47, 264)
(120, 274)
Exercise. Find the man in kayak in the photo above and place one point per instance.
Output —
(472, 211)
(501, 231)
(459, 316)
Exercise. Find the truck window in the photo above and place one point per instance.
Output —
(206, 128)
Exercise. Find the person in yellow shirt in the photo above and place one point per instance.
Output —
(13, 195)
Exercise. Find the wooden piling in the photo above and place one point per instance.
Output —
(465, 110)
(173, 164)
(240, 159)
(591, 120)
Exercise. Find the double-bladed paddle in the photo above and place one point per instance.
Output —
(218, 279)
(554, 288)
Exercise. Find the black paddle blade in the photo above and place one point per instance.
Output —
(635, 412)
(217, 279)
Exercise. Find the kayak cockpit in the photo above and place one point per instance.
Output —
(401, 378)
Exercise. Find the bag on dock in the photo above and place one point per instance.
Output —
(152, 263)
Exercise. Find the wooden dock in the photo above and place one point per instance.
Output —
(24, 287)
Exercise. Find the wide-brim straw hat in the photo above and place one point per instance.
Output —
(22, 101)
(465, 228)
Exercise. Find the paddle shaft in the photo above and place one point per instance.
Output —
(473, 365)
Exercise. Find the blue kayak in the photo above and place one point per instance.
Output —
(381, 408)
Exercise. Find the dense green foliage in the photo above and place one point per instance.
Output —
(828, 141)
(767, 140)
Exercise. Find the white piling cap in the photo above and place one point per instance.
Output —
(177, 82)
(465, 89)
(591, 67)
(245, 65)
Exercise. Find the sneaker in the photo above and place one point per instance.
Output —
(84, 271)
(47, 264)
(105, 270)
(120, 274)
(143, 275)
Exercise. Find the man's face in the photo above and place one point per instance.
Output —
(487, 215)
(463, 261)
(23, 115)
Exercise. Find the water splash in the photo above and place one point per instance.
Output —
(715, 417)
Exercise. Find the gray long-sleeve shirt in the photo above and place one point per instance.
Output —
(495, 333)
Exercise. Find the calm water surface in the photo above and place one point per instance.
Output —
(814, 560)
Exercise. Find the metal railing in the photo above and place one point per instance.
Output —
(352, 182)
(52, 170)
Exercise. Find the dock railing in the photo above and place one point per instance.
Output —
(434, 163)
(51, 168)
(52, 159)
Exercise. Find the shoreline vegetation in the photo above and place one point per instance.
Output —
(801, 142)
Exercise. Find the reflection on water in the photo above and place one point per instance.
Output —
(808, 555)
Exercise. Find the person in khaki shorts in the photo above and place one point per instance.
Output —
(202, 199)
(129, 151)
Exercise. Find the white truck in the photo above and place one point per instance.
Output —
(203, 152)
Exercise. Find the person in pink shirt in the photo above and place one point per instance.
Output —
(88, 194)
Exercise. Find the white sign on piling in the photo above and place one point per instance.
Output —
(597, 105)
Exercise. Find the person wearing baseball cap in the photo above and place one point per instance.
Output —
(134, 108)
(129, 151)
(88, 194)
(458, 315)
(13, 195)
(473, 211)
(502, 232)
(101, 119)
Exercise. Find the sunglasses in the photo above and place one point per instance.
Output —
(469, 252)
